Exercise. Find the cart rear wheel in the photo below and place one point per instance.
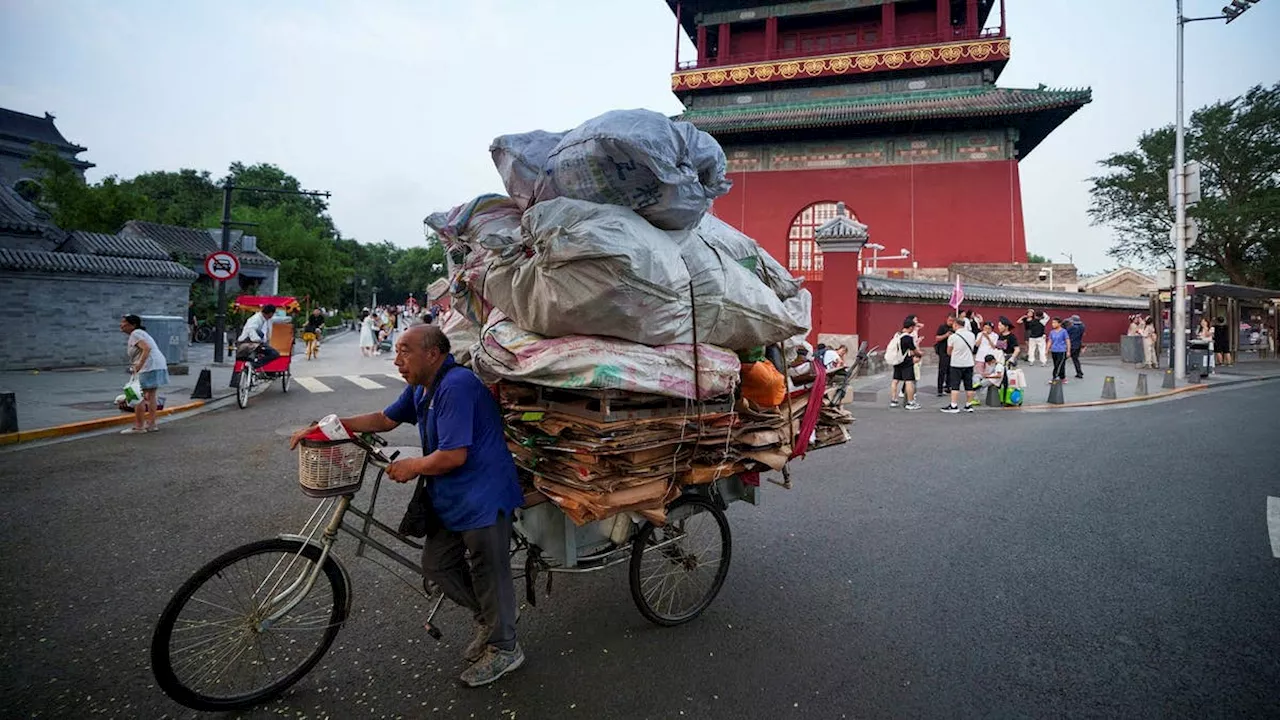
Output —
(677, 569)
(284, 381)
(242, 390)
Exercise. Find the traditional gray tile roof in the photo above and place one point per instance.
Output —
(923, 290)
(63, 262)
(191, 242)
(32, 128)
(18, 215)
(124, 246)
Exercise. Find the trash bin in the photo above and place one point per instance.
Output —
(1131, 349)
(1198, 356)
(170, 333)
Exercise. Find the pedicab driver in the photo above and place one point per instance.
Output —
(472, 486)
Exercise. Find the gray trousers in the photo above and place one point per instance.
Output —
(483, 586)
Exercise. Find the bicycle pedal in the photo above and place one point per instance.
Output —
(433, 631)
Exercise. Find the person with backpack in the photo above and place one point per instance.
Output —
(961, 346)
(902, 354)
(1075, 332)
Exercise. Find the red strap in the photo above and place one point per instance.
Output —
(812, 410)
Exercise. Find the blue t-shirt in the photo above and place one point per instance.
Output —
(463, 415)
(1058, 340)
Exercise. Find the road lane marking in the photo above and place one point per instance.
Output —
(363, 382)
(393, 376)
(312, 384)
(1273, 524)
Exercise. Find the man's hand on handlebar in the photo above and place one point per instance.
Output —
(403, 471)
(296, 438)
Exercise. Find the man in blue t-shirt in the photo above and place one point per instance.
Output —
(472, 486)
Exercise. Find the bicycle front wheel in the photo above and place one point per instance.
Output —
(216, 646)
(246, 384)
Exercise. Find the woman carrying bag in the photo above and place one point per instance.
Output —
(149, 368)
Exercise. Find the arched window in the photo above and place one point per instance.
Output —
(804, 257)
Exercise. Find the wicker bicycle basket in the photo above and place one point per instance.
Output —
(327, 468)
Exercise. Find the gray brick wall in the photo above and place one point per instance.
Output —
(74, 320)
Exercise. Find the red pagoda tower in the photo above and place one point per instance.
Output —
(889, 106)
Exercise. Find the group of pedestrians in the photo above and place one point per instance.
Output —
(974, 353)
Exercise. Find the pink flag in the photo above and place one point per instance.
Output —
(957, 295)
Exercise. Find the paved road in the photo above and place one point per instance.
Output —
(1082, 563)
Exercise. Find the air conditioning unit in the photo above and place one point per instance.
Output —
(249, 244)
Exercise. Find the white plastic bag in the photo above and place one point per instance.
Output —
(133, 390)
(668, 172)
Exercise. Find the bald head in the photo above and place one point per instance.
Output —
(426, 337)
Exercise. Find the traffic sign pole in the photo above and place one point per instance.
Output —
(220, 332)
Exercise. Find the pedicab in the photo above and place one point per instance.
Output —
(244, 375)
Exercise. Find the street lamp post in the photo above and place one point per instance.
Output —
(1229, 13)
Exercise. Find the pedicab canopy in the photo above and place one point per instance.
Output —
(254, 303)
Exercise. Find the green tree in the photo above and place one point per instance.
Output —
(1036, 259)
(418, 267)
(76, 205)
(1238, 143)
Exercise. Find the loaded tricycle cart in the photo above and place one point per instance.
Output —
(256, 619)
(245, 376)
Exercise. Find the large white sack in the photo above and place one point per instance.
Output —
(747, 252)
(463, 335)
(667, 171)
(522, 161)
(474, 234)
(507, 352)
(596, 270)
(734, 309)
(603, 270)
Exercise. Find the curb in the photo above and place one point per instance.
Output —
(1117, 401)
(89, 425)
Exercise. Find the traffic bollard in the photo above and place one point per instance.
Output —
(1055, 393)
(1141, 390)
(1169, 381)
(1109, 388)
(204, 386)
(993, 397)
(8, 413)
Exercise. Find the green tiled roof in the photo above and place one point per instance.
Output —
(877, 109)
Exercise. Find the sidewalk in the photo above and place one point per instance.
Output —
(57, 398)
(875, 389)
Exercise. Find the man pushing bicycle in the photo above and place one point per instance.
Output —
(467, 495)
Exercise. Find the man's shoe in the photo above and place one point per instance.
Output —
(475, 650)
(492, 665)
(913, 405)
(968, 408)
(893, 403)
(951, 409)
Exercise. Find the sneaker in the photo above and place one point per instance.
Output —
(951, 409)
(944, 393)
(475, 650)
(1079, 377)
(968, 408)
(492, 665)
(893, 403)
(913, 405)
(132, 431)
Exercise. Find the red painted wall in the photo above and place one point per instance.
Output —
(880, 318)
(746, 42)
(924, 22)
(943, 213)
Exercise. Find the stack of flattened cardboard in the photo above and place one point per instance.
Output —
(593, 468)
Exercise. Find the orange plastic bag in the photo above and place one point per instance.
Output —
(762, 384)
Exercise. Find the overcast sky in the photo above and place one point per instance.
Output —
(391, 105)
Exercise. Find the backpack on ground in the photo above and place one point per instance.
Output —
(893, 354)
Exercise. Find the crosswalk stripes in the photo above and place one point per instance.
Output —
(337, 383)
(312, 384)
